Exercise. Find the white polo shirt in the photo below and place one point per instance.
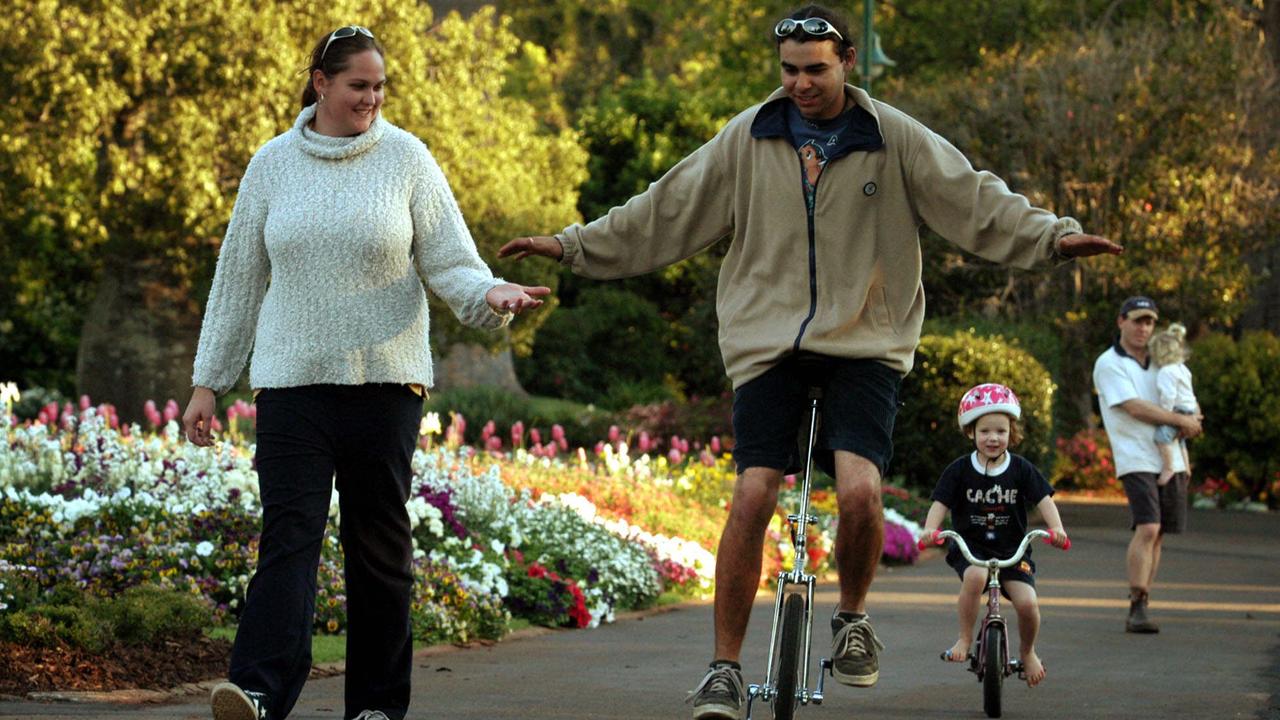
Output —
(1119, 378)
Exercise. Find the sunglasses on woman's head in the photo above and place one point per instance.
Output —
(814, 26)
(345, 32)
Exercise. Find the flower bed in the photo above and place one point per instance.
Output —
(554, 536)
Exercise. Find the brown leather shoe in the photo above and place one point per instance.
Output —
(1138, 622)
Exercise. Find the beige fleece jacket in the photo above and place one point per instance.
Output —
(850, 286)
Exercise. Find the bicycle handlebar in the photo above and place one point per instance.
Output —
(941, 535)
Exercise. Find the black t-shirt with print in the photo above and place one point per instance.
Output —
(990, 510)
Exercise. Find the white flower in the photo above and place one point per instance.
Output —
(430, 424)
(204, 549)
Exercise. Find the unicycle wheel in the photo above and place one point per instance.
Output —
(786, 682)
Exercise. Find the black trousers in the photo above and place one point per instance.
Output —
(364, 436)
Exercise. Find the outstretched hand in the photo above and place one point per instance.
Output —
(1082, 245)
(513, 298)
(523, 247)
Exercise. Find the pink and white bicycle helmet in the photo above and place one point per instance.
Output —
(985, 399)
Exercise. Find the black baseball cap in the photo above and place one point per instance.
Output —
(1139, 306)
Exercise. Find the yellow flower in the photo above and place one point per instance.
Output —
(332, 625)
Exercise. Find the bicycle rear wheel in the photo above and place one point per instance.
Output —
(993, 669)
(788, 660)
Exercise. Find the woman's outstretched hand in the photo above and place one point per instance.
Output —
(513, 298)
(522, 247)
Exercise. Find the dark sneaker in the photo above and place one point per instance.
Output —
(230, 702)
(854, 651)
(720, 695)
(1138, 622)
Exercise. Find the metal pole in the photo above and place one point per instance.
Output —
(868, 8)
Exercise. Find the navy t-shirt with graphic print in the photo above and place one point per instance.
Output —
(989, 507)
(814, 140)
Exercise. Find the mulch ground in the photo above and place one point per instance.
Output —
(159, 666)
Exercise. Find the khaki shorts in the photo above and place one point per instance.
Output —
(1150, 503)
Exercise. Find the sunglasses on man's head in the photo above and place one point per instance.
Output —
(345, 32)
(814, 26)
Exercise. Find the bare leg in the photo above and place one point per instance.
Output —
(1024, 601)
(1166, 461)
(860, 533)
(738, 559)
(1144, 556)
(1155, 561)
(975, 580)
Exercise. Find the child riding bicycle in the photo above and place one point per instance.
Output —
(988, 492)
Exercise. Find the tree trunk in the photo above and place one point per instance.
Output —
(467, 365)
(139, 337)
(1271, 30)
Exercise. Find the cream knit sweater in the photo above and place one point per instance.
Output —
(323, 266)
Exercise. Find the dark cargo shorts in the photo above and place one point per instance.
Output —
(859, 404)
(1150, 503)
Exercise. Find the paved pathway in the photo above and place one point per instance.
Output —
(1218, 656)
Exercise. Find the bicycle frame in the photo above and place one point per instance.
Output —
(993, 566)
(799, 525)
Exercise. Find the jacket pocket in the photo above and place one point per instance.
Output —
(878, 300)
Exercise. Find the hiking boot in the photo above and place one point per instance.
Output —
(720, 695)
(854, 651)
(371, 715)
(230, 702)
(1138, 622)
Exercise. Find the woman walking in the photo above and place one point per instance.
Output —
(339, 227)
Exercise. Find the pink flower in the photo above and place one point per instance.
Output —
(644, 444)
(152, 414)
(517, 434)
(715, 444)
(535, 436)
(675, 456)
(600, 448)
(84, 402)
(614, 434)
(493, 444)
(171, 410)
(557, 433)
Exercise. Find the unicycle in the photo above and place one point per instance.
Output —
(989, 659)
(786, 685)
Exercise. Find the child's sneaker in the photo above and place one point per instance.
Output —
(720, 695)
(230, 702)
(854, 651)
(371, 715)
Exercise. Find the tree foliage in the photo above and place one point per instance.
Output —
(128, 125)
(1158, 134)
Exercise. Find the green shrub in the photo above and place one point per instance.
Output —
(926, 437)
(610, 350)
(1238, 386)
(146, 613)
(138, 616)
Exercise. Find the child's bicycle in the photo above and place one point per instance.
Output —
(786, 684)
(990, 659)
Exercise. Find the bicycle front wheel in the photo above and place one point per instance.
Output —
(993, 669)
(788, 661)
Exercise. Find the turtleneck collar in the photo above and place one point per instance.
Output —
(335, 148)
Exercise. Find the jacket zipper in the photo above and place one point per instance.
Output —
(813, 252)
